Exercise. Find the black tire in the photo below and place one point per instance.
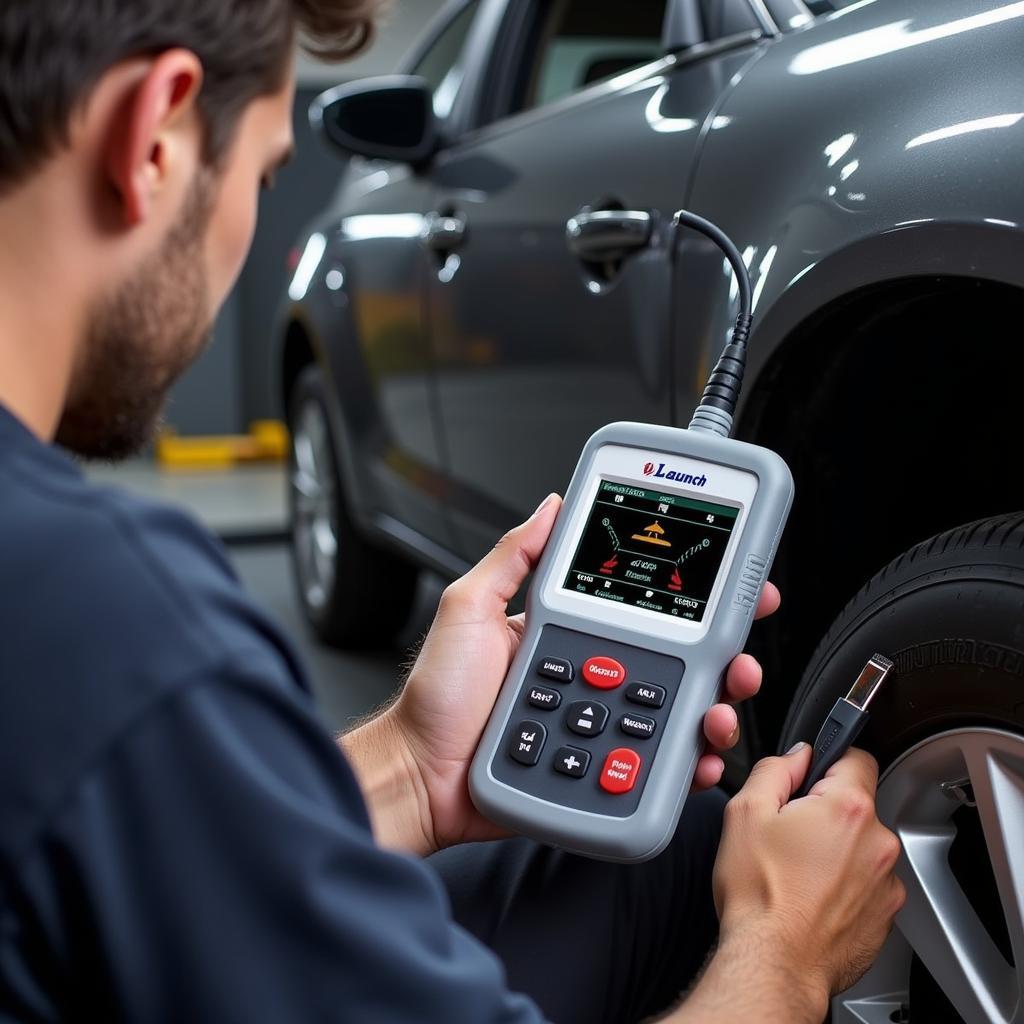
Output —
(368, 596)
(950, 613)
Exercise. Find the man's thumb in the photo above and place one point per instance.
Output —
(775, 779)
(500, 573)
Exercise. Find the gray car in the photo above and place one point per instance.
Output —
(496, 278)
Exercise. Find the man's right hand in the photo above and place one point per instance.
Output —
(805, 891)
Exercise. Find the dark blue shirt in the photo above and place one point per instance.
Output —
(180, 839)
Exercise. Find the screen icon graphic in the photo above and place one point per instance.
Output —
(653, 534)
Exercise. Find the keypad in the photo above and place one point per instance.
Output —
(550, 755)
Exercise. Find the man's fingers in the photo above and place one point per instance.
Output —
(770, 601)
(708, 773)
(774, 780)
(496, 578)
(855, 768)
(743, 678)
(517, 624)
(722, 727)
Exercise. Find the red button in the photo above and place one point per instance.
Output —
(620, 770)
(604, 673)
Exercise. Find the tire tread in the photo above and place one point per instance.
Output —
(997, 533)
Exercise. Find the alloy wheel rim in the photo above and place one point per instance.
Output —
(917, 798)
(314, 505)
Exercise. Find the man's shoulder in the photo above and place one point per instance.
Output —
(110, 603)
(100, 564)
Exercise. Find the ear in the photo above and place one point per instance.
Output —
(159, 133)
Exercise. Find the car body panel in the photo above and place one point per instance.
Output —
(870, 146)
(369, 285)
(528, 339)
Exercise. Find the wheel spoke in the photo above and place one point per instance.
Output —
(946, 933)
(317, 429)
(304, 459)
(306, 486)
(315, 505)
(874, 1009)
(998, 783)
(326, 542)
(324, 572)
(304, 550)
(880, 995)
(918, 797)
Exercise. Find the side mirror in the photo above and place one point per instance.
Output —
(390, 117)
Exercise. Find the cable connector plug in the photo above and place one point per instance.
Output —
(845, 721)
(722, 391)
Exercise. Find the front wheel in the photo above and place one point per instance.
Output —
(354, 594)
(947, 732)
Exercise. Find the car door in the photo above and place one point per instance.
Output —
(377, 271)
(548, 305)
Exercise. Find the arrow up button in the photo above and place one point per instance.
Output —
(586, 717)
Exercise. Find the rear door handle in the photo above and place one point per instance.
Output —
(443, 232)
(599, 235)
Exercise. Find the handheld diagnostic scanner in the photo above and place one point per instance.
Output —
(644, 594)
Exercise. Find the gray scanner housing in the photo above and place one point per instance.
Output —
(647, 830)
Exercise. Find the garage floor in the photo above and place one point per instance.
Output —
(246, 508)
(244, 502)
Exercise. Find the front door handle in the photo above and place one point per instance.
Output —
(443, 232)
(602, 235)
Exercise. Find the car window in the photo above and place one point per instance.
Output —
(723, 18)
(584, 41)
(441, 65)
(827, 6)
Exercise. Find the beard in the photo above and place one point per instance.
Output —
(140, 339)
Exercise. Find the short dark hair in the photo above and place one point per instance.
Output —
(53, 52)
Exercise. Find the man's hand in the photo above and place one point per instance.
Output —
(805, 892)
(430, 734)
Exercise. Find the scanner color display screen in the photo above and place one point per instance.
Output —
(651, 550)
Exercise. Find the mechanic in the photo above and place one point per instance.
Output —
(179, 838)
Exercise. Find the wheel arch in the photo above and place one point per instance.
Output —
(891, 402)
